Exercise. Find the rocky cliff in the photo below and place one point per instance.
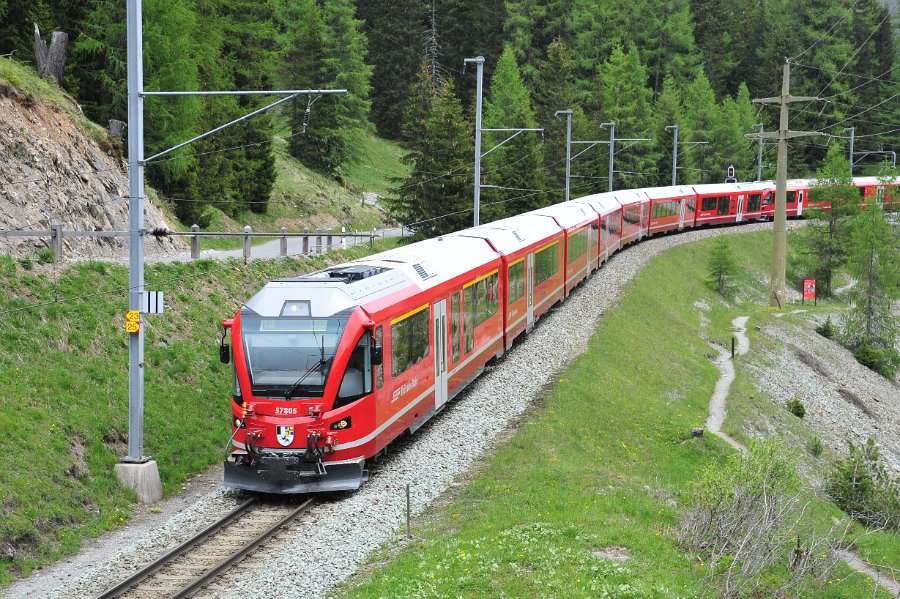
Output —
(52, 170)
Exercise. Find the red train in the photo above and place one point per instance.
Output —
(331, 367)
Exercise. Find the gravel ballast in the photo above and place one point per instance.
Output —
(333, 540)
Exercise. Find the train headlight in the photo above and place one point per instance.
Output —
(238, 423)
(341, 424)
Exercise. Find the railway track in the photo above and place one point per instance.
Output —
(201, 559)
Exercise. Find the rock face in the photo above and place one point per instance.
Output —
(52, 171)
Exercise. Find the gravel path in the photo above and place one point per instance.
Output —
(723, 385)
(313, 555)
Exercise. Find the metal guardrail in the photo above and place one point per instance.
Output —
(313, 242)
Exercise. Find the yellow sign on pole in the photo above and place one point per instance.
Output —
(132, 321)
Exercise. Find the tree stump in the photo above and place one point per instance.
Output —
(52, 61)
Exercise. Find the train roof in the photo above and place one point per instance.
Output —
(866, 181)
(567, 215)
(630, 196)
(602, 203)
(672, 191)
(514, 233)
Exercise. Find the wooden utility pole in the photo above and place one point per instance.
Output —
(779, 237)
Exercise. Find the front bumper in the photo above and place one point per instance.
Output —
(291, 474)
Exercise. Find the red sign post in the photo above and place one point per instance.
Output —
(809, 290)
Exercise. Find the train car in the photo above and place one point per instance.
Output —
(332, 366)
(671, 208)
(582, 226)
(885, 193)
(635, 215)
(795, 201)
(528, 294)
(609, 211)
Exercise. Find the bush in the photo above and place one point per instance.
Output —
(883, 361)
(45, 256)
(860, 485)
(795, 407)
(815, 447)
(27, 263)
(747, 516)
(827, 329)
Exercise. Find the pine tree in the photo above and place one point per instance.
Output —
(339, 123)
(874, 261)
(530, 27)
(394, 30)
(700, 116)
(518, 164)
(821, 246)
(667, 112)
(437, 194)
(721, 268)
(470, 28)
(555, 90)
(626, 100)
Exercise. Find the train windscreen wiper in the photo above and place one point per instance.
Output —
(315, 367)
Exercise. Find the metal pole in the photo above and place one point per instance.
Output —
(612, 150)
(136, 225)
(479, 63)
(852, 131)
(759, 154)
(674, 129)
(568, 113)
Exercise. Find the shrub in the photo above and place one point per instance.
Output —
(27, 263)
(795, 407)
(883, 361)
(747, 516)
(860, 485)
(815, 447)
(45, 256)
(827, 329)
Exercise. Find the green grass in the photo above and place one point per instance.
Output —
(602, 462)
(64, 382)
(303, 198)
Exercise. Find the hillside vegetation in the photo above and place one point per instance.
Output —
(63, 373)
(586, 500)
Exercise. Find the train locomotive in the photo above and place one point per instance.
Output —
(332, 366)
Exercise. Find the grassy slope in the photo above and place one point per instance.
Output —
(63, 376)
(303, 198)
(600, 463)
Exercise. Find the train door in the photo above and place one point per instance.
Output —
(800, 202)
(530, 321)
(440, 354)
(681, 204)
(740, 208)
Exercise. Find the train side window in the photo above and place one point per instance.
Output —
(791, 197)
(454, 325)
(516, 277)
(379, 370)
(753, 202)
(357, 380)
(409, 340)
(469, 318)
(546, 263)
(708, 204)
(578, 244)
(724, 205)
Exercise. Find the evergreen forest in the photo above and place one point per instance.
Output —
(646, 65)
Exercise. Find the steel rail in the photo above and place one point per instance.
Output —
(156, 565)
(214, 573)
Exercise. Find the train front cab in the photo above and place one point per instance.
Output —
(796, 197)
(882, 192)
(530, 248)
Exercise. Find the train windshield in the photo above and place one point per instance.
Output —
(289, 357)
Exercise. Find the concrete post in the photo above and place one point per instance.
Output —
(283, 241)
(318, 241)
(195, 242)
(247, 231)
(305, 242)
(329, 240)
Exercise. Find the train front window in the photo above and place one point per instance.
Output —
(289, 356)
(357, 380)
